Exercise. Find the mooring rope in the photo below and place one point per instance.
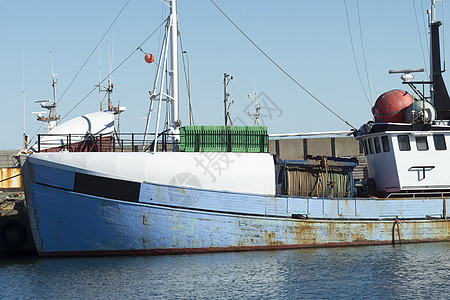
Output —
(10, 177)
(397, 222)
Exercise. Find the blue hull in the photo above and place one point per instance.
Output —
(75, 211)
(70, 223)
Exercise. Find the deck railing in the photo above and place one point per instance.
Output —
(125, 142)
(139, 142)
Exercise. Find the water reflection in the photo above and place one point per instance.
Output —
(404, 271)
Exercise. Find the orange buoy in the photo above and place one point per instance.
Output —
(391, 106)
(149, 58)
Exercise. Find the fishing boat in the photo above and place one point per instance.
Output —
(199, 189)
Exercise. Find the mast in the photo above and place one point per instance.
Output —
(432, 13)
(110, 85)
(226, 79)
(165, 87)
(439, 94)
(52, 118)
(52, 107)
(174, 64)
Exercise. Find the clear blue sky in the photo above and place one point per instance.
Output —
(310, 39)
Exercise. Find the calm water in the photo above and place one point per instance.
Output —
(401, 272)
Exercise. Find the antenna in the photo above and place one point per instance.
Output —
(256, 115)
(108, 89)
(110, 85)
(407, 77)
(54, 81)
(52, 117)
(26, 140)
(226, 80)
(99, 67)
(99, 71)
(188, 83)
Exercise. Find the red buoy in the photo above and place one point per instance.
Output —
(391, 106)
(149, 58)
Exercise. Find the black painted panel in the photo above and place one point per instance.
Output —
(107, 187)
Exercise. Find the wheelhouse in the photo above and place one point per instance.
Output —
(406, 158)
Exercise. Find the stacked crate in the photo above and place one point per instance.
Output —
(224, 139)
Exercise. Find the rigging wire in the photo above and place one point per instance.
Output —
(115, 69)
(280, 68)
(188, 82)
(103, 99)
(112, 51)
(354, 55)
(364, 53)
(237, 93)
(34, 135)
(163, 17)
(244, 103)
(420, 36)
(90, 55)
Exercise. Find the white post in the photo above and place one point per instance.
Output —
(155, 85)
(433, 11)
(174, 63)
(160, 100)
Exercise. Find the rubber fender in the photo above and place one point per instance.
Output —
(12, 234)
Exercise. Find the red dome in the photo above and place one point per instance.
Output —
(390, 106)
(149, 58)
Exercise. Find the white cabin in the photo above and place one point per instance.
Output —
(407, 158)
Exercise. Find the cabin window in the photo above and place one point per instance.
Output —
(385, 142)
(376, 141)
(370, 146)
(364, 143)
(421, 143)
(439, 142)
(403, 142)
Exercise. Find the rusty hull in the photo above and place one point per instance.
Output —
(305, 238)
(111, 227)
(167, 219)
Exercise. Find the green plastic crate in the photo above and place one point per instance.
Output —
(224, 139)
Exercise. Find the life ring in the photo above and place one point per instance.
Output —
(12, 234)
